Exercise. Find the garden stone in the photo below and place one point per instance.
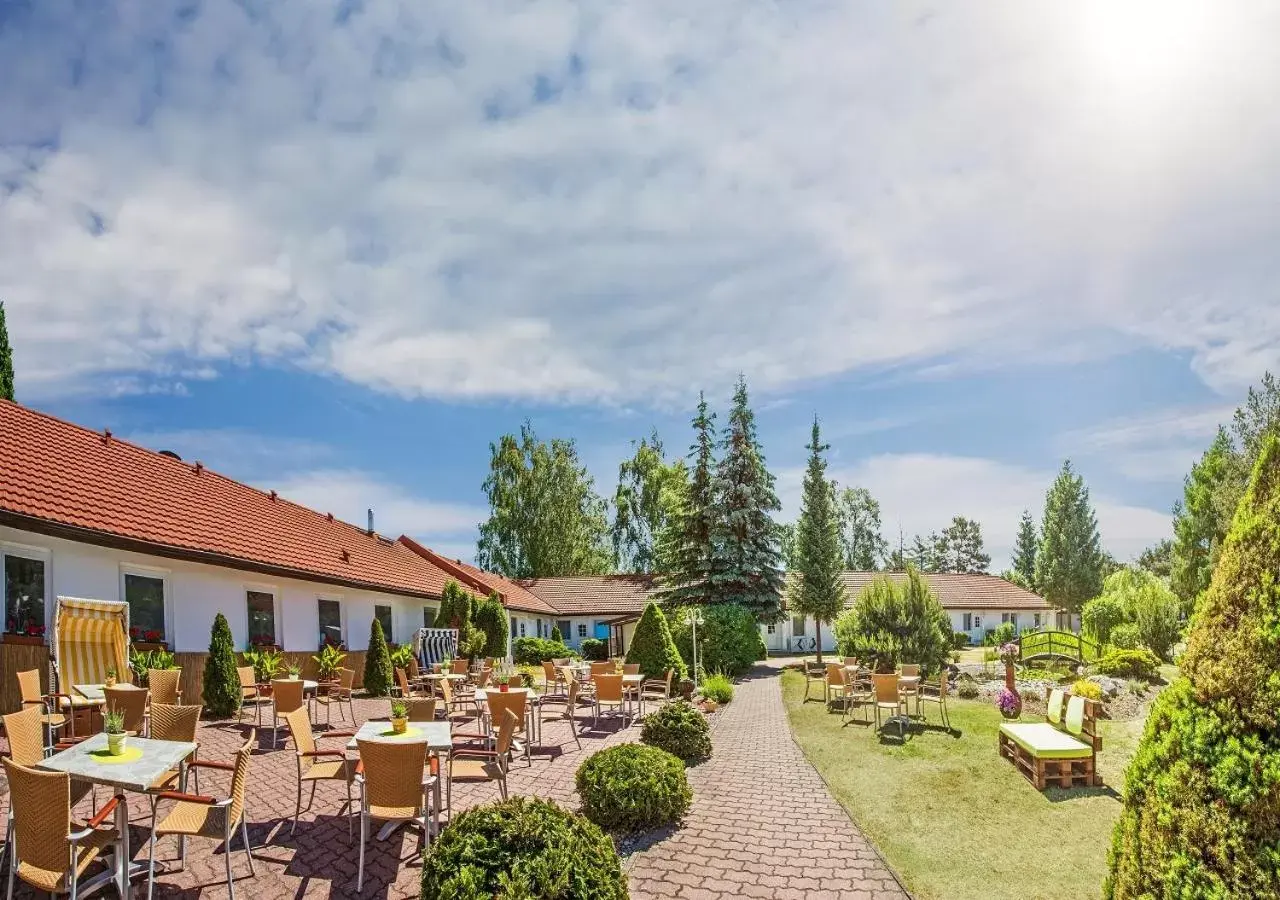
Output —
(1110, 686)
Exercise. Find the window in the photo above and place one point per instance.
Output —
(513, 626)
(770, 629)
(383, 615)
(262, 617)
(582, 629)
(23, 594)
(330, 615)
(968, 622)
(1009, 617)
(797, 626)
(566, 630)
(977, 621)
(1035, 620)
(522, 628)
(145, 596)
(428, 617)
(540, 634)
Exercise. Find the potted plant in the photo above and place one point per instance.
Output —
(152, 639)
(399, 716)
(294, 672)
(504, 683)
(686, 688)
(1009, 703)
(110, 680)
(113, 725)
(329, 661)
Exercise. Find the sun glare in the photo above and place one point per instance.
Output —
(1147, 45)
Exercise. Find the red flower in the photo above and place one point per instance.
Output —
(135, 632)
(154, 635)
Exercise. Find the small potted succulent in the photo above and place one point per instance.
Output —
(294, 672)
(113, 725)
(399, 716)
(504, 683)
(110, 679)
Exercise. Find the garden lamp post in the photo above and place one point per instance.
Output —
(695, 620)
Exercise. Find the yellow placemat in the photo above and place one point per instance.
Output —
(409, 732)
(130, 754)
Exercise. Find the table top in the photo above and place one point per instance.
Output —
(436, 676)
(511, 690)
(437, 735)
(307, 683)
(86, 762)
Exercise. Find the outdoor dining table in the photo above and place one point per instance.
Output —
(530, 715)
(143, 761)
(438, 736)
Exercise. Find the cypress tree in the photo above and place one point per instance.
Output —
(491, 620)
(652, 646)
(688, 580)
(1201, 815)
(819, 557)
(377, 663)
(221, 688)
(6, 359)
(1024, 550)
(1068, 570)
(746, 559)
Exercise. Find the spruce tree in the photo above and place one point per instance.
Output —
(6, 360)
(746, 560)
(1069, 560)
(377, 663)
(689, 552)
(652, 647)
(491, 619)
(1201, 816)
(819, 557)
(1024, 551)
(221, 686)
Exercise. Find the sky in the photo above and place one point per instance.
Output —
(336, 249)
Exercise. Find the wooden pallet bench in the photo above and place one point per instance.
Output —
(1063, 750)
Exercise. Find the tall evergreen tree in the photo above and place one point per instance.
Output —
(1024, 549)
(746, 560)
(6, 359)
(688, 547)
(961, 549)
(378, 674)
(819, 556)
(221, 684)
(1069, 559)
(859, 516)
(1201, 816)
(646, 503)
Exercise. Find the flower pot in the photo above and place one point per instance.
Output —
(110, 681)
(710, 706)
(399, 725)
(115, 743)
(504, 688)
(32, 640)
(293, 678)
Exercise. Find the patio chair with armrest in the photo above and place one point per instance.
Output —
(476, 764)
(888, 699)
(249, 690)
(338, 693)
(607, 667)
(517, 703)
(814, 673)
(859, 691)
(174, 723)
(315, 765)
(559, 708)
(656, 689)
(934, 691)
(553, 677)
(609, 693)
(386, 794)
(286, 696)
(130, 702)
(32, 698)
(421, 709)
(163, 685)
(909, 692)
(836, 687)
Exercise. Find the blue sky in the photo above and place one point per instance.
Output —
(336, 249)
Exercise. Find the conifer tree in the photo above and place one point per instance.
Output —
(819, 558)
(1069, 558)
(689, 551)
(491, 620)
(6, 359)
(377, 663)
(746, 560)
(1201, 816)
(1024, 550)
(221, 684)
(652, 647)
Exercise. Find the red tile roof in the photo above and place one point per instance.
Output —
(89, 486)
(595, 594)
(514, 596)
(957, 591)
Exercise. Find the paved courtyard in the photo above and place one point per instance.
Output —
(762, 823)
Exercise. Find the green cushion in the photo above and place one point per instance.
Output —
(1043, 740)
(1075, 715)
(1054, 712)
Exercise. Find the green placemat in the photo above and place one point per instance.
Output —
(130, 754)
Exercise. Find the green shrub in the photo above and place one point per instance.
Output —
(959, 639)
(1201, 814)
(1140, 663)
(458, 608)
(594, 649)
(893, 622)
(680, 729)
(377, 663)
(1002, 634)
(652, 647)
(728, 638)
(1102, 615)
(717, 687)
(532, 651)
(1085, 688)
(491, 620)
(556, 635)
(522, 849)
(967, 689)
(221, 689)
(1134, 686)
(632, 787)
(1126, 637)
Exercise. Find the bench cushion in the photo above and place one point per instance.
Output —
(1043, 740)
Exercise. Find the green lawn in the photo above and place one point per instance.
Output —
(952, 818)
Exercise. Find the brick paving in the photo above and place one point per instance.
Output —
(762, 823)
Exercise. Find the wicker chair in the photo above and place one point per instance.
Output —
(386, 794)
(936, 692)
(814, 673)
(460, 667)
(199, 816)
(559, 708)
(339, 692)
(475, 764)
(286, 696)
(603, 668)
(51, 851)
(163, 684)
(553, 677)
(888, 698)
(29, 687)
(858, 692)
(836, 687)
(910, 691)
(315, 766)
(174, 723)
(609, 692)
(130, 701)
(421, 709)
(517, 703)
(402, 683)
(249, 690)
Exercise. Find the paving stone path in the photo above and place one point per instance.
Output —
(763, 823)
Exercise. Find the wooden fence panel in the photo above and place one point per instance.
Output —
(16, 658)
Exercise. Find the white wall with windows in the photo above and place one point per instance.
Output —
(977, 622)
(180, 599)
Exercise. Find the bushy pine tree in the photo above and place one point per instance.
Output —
(1024, 550)
(491, 619)
(819, 558)
(652, 647)
(1201, 815)
(896, 620)
(378, 676)
(6, 360)
(457, 610)
(1069, 558)
(221, 687)
(687, 579)
(746, 566)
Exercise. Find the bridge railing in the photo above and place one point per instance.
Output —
(1052, 642)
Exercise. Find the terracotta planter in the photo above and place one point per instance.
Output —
(31, 640)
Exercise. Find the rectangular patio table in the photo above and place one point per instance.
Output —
(438, 736)
(135, 771)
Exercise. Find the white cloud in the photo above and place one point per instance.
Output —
(921, 492)
(572, 201)
(1160, 446)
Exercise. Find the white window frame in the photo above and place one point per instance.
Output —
(1035, 619)
(392, 607)
(170, 623)
(803, 631)
(583, 631)
(522, 634)
(276, 608)
(966, 621)
(341, 600)
(770, 629)
(39, 554)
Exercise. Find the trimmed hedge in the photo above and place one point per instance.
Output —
(680, 729)
(632, 787)
(533, 651)
(1140, 663)
(521, 849)
(728, 639)
(377, 663)
(594, 649)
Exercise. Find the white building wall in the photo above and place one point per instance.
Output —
(196, 592)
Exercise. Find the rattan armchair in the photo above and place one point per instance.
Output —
(202, 816)
(609, 692)
(935, 691)
(315, 766)
(859, 691)
(517, 703)
(163, 685)
(888, 699)
(50, 850)
(836, 687)
(132, 703)
(553, 677)
(249, 690)
(559, 708)
(421, 709)
(29, 688)
(286, 696)
(173, 723)
(476, 764)
(338, 693)
(386, 794)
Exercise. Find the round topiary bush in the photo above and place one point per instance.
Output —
(679, 729)
(633, 788)
(522, 848)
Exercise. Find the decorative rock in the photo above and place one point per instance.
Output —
(1110, 686)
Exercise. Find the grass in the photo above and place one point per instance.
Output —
(953, 819)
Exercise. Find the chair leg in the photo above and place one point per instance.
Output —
(226, 852)
(151, 854)
(244, 836)
(297, 810)
(364, 829)
(351, 808)
(12, 847)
